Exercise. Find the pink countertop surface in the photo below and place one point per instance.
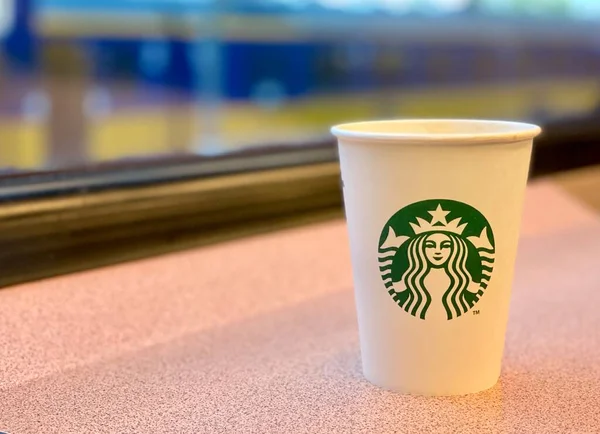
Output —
(259, 335)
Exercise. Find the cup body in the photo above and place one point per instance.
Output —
(433, 210)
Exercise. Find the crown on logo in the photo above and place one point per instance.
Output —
(438, 223)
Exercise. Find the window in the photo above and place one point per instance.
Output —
(104, 81)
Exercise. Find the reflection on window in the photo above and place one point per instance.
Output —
(106, 80)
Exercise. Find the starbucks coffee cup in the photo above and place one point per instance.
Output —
(433, 210)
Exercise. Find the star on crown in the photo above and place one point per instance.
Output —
(438, 223)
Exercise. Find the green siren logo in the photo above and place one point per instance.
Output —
(436, 258)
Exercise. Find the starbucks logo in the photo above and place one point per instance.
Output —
(436, 258)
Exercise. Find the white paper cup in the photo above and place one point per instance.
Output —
(433, 209)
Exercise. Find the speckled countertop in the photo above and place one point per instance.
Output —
(259, 336)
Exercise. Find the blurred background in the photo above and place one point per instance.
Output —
(95, 81)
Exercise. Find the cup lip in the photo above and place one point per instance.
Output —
(507, 132)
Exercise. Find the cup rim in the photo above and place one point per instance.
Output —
(497, 132)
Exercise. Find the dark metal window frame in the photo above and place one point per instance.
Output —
(63, 221)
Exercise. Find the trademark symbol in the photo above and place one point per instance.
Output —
(475, 312)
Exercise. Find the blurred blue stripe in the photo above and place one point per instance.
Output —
(118, 5)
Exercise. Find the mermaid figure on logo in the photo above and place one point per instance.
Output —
(436, 273)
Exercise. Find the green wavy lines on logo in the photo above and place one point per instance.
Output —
(436, 258)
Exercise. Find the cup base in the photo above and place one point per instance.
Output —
(415, 390)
